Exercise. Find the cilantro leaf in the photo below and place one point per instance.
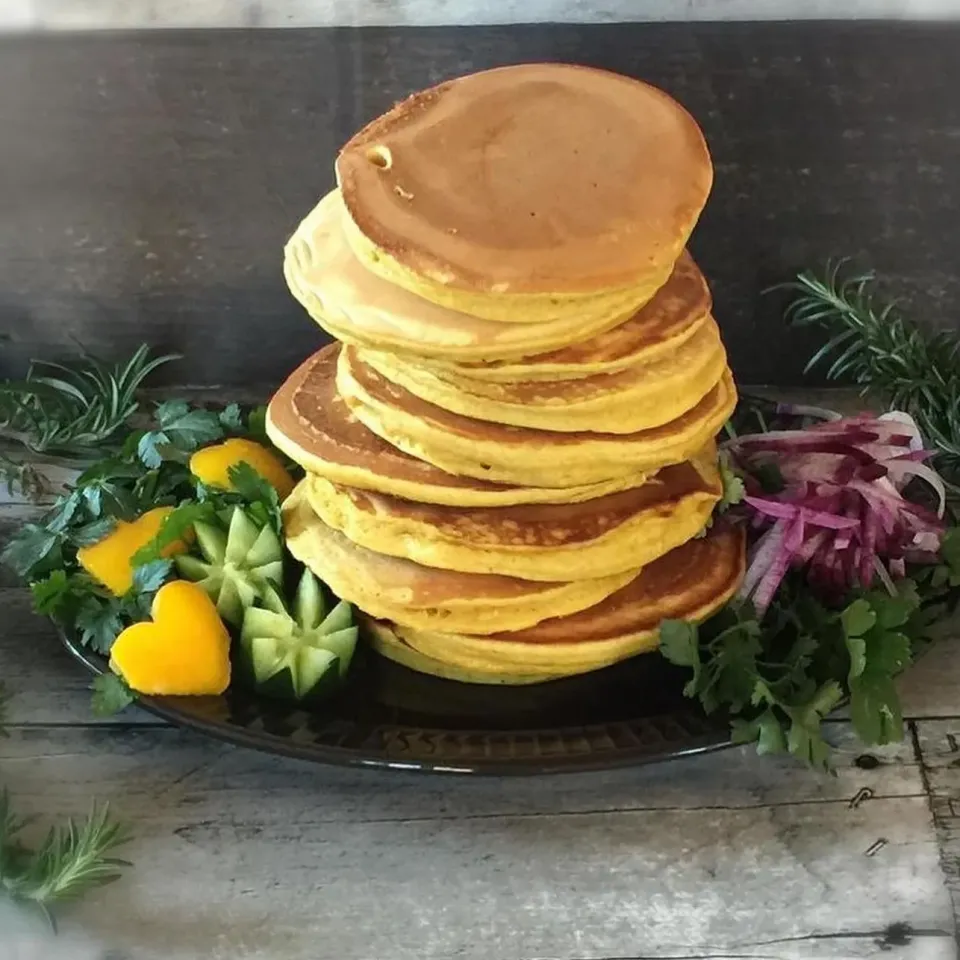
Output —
(29, 549)
(186, 428)
(99, 622)
(94, 532)
(51, 594)
(257, 424)
(231, 418)
(262, 499)
(733, 488)
(766, 731)
(150, 577)
(875, 708)
(679, 643)
(150, 447)
(180, 431)
(111, 694)
(858, 618)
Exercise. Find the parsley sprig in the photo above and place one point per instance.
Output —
(777, 678)
(149, 469)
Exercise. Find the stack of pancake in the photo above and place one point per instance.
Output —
(510, 455)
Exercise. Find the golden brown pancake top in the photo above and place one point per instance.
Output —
(546, 525)
(537, 178)
(685, 579)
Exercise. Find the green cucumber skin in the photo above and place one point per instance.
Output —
(284, 683)
(280, 687)
(241, 536)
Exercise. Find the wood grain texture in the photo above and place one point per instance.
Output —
(150, 179)
(246, 856)
(135, 14)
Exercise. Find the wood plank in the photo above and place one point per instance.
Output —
(241, 855)
(214, 14)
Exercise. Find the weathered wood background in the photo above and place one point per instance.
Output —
(148, 180)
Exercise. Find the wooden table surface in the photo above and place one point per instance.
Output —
(243, 856)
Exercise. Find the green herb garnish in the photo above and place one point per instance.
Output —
(778, 679)
(70, 861)
(74, 409)
(111, 694)
(873, 344)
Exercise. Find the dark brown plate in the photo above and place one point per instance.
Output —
(393, 718)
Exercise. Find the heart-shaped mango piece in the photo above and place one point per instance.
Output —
(212, 464)
(108, 560)
(183, 651)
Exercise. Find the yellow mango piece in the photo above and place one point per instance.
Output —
(108, 560)
(212, 464)
(184, 651)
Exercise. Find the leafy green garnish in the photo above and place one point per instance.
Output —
(181, 430)
(778, 680)
(262, 501)
(111, 694)
(733, 488)
(73, 409)
(70, 861)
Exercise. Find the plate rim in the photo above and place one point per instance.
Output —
(715, 736)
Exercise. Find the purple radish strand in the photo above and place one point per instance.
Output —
(841, 515)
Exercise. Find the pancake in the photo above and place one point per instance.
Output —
(555, 542)
(648, 394)
(412, 595)
(538, 190)
(689, 583)
(381, 636)
(678, 310)
(358, 307)
(520, 455)
(311, 424)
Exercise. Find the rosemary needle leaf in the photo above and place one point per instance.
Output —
(73, 858)
(873, 344)
(74, 409)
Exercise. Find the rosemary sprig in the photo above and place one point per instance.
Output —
(873, 344)
(72, 859)
(74, 409)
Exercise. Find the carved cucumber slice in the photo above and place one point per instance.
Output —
(298, 656)
(238, 563)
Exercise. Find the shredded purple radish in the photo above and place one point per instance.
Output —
(841, 513)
